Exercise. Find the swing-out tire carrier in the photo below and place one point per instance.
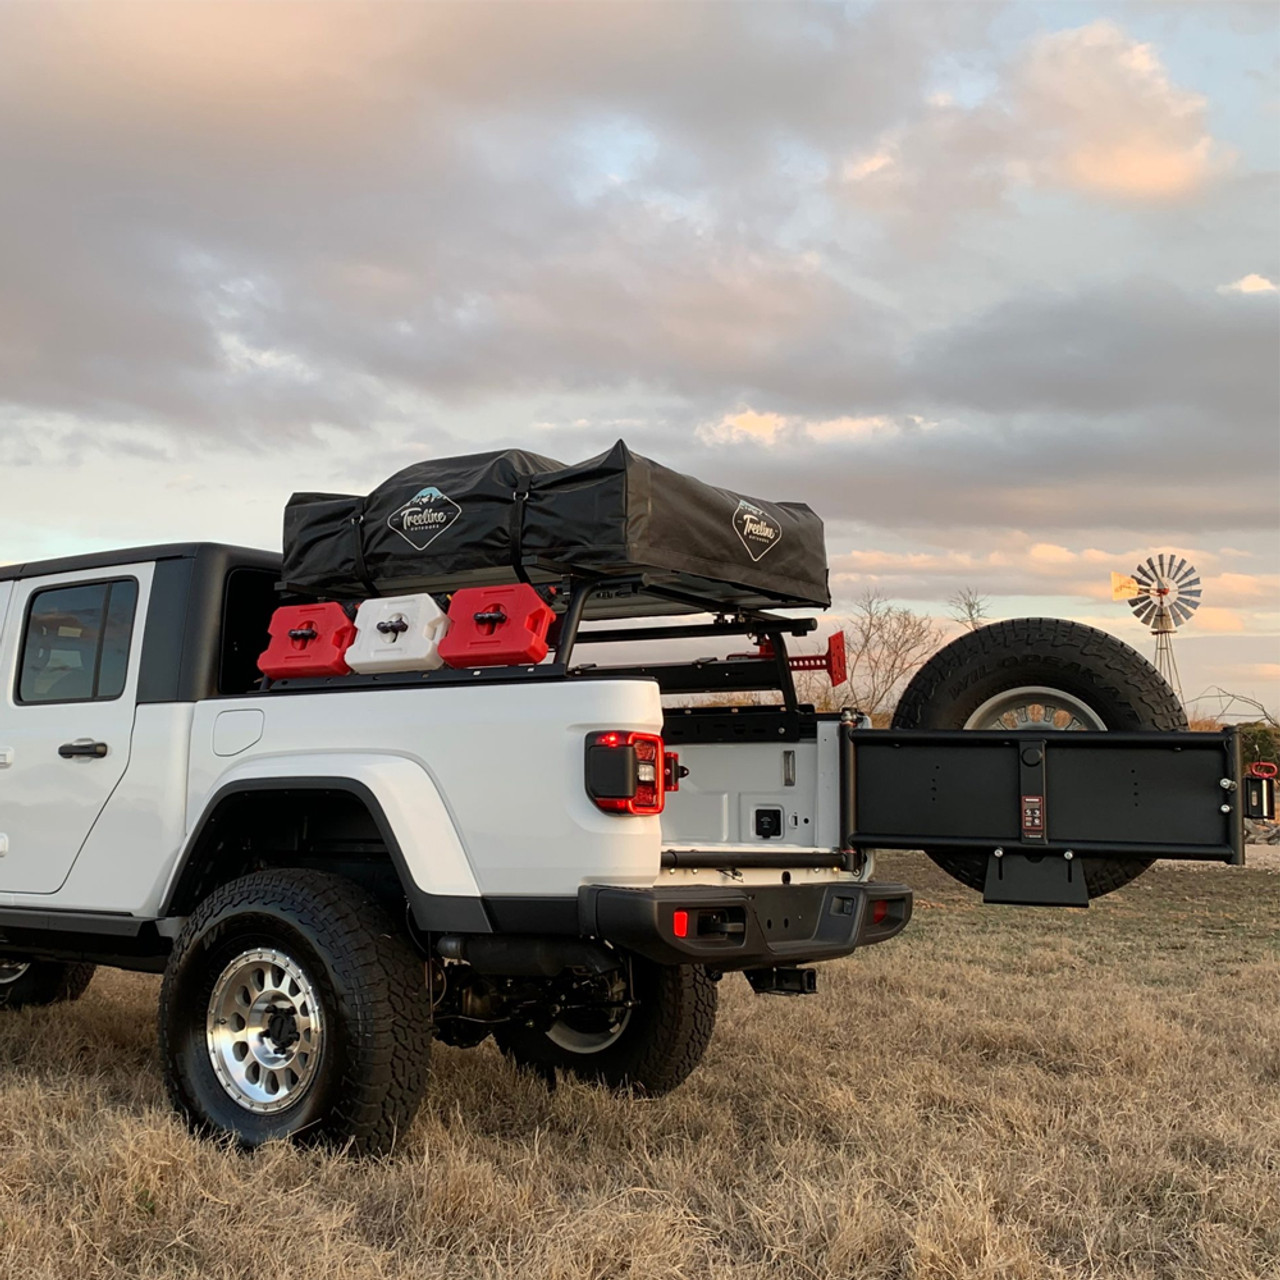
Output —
(1035, 803)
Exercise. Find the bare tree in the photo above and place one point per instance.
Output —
(886, 644)
(1238, 706)
(970, 609)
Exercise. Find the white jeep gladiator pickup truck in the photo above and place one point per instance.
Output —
(332, 870)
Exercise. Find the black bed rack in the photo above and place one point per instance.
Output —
(769, 671)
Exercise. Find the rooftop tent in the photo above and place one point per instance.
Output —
(485, 518)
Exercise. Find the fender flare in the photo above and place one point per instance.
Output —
(405, 805)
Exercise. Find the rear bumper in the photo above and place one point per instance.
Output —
(747, 928)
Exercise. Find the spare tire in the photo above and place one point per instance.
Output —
(1044, 674)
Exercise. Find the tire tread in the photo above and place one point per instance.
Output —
(381, 996)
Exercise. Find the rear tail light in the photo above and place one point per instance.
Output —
(626, 772)
(879, 910)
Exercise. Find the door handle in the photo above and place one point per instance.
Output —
(95, 750)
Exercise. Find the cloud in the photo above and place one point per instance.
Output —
(772, 429)
(1128, 405)
(1088, 110)
(370, 215)
(1252, 283)
(1101, 115)
(1112, 349)
(410, 199)
(747, 424)
(1220, 621)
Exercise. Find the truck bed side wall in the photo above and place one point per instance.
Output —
(507, 762)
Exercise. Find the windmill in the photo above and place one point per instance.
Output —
(1163, 594)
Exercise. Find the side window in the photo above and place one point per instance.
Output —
(247, 604)
(76, 644)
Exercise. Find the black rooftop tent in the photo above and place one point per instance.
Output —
(652, 539)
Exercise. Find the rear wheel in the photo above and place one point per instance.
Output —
(293, 1008)
(35, 982)
(649, 1039)
(1046, 674)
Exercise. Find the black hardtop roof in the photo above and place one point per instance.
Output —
(250, 556)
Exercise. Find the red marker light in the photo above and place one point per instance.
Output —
(680, 924)
(879, 910)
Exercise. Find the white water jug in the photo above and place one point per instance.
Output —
(397, 633)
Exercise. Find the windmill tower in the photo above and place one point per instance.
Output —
(1163, 593)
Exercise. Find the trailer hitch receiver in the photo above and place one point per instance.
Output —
(783, 981)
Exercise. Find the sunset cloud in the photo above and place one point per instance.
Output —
(1252, 283)
(1088, 109)
(775, 428)
(1103, 115)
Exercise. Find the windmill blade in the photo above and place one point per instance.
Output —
(1141, 573)
(1144, 610)
(1180, 613)
(1191, 603)
(1156, 575)
(1175, 570)
(1124, 587)
(1161, 559)
(1191, 582)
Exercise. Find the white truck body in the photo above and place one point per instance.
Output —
(480, 784)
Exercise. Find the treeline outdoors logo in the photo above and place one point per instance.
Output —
(759, 531)
(424, 517)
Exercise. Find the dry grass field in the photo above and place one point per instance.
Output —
(1000, 1093)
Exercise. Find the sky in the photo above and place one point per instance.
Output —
(992, 287)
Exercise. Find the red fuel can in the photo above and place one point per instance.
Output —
(308, 640)
(496, 627)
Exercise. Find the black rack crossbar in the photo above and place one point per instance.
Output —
(706, 676)
(746, 625)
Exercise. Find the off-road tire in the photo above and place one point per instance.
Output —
(663, 1041)
(46, 982)
(369, 985)
(1124, 690)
